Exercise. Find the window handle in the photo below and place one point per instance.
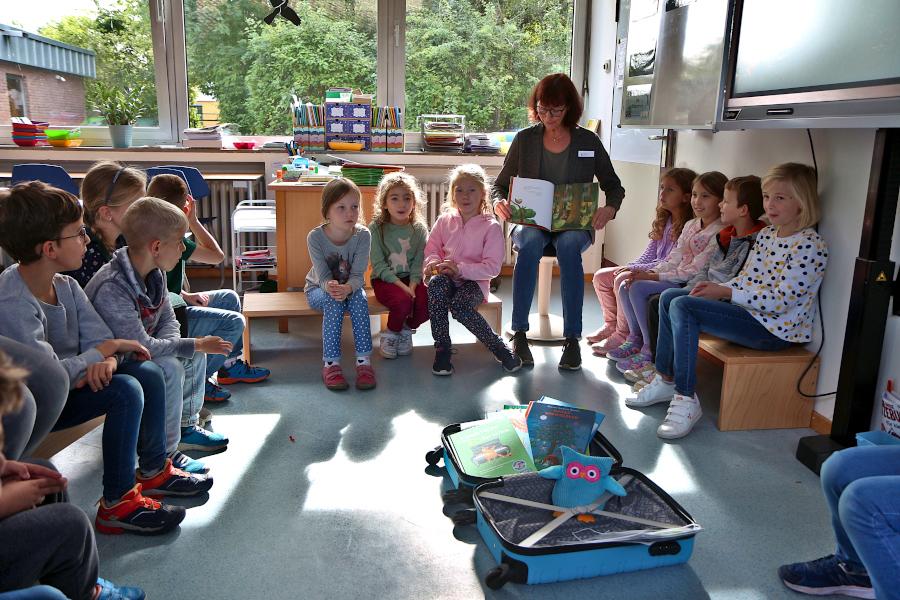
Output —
(160, 11)
(396, 35)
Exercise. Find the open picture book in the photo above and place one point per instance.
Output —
(539, 203)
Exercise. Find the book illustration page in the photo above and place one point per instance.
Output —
(530, 202)
(574, 206)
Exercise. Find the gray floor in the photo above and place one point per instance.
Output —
(326, 495)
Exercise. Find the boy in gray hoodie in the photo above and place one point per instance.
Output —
(41, 228)
(130, 294)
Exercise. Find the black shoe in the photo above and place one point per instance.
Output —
(495, 284)
(571, 356)
(509, 361)
(442, 365)
(520, 348)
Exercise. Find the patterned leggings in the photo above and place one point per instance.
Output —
(461, 302)
(333, 321)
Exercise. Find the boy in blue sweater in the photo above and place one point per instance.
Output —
(41, 227)
(130, 294)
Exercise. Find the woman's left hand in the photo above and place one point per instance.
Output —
(711, 291)
(602, 216)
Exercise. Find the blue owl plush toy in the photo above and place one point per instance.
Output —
(581, 479)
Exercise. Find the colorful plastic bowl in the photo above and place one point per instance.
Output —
(26, 142)
(350, 146)
(62, 134)
(245, 145)
(72, 143)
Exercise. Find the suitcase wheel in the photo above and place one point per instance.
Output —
(464, 517)
(498, 576)
(433, 457)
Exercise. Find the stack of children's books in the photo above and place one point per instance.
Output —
(523, 438)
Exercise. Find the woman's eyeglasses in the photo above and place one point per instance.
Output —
(82, 233)
(553, 112)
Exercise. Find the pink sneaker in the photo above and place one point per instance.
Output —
(626, 350)
(601, 334)
(614, 341)
(333, 377)
(365, 377)
(638, 362)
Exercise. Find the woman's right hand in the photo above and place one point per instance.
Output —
(501, 210)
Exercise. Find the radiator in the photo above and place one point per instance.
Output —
(220, 204)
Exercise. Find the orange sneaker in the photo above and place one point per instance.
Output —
(365, 377)
(333, 377)
(134, 513)
(172, 481)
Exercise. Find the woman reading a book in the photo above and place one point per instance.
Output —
(557, 150)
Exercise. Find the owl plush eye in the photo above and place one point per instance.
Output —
(592, 474)
(573, 470)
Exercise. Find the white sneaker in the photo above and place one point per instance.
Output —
(683, 414)
(388, 344)
(655, 392)
(404, 342)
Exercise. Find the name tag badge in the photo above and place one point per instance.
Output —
(585, 154)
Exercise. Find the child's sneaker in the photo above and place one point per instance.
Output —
(613, 341)
(333, 377)
(442, 364)
(509, 361)
(643, 372)
(826, 576)
(197, 438)
(601, 334)
(215, 393)
(388, 345)
(655, 392)
(107, 590)
(241, 372)
(683, 414)
(365, 377)
(182, 461)
(626, 350)
(637, 387)
(136, 514)
(521, 349)
(635, 363)
(174, 482)
(405, 343)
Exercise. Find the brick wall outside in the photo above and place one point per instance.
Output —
(47, 98)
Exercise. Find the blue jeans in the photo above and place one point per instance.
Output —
(134, 406)
(333, 321)
(633, 300)
(683, 317)
(38, 592)
(530, 243)
(172, 372)
(862, 488)
(221, 317)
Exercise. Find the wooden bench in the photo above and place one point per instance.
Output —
(294, 304)
(58, 440)
(759, 389)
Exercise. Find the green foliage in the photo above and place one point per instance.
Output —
(118, 106)
(120, 37)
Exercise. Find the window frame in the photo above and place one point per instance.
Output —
(164, 27)
(170, 63)
(22, 89)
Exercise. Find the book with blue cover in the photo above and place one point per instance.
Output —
(552, 424)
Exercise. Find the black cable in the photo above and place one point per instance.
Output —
(821, 319)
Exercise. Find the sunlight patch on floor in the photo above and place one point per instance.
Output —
(671, 471)
(247, 435)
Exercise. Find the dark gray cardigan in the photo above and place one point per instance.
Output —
(526, 152)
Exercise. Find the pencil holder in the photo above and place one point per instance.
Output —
(379, 139)
(316, 139)
(394, 140)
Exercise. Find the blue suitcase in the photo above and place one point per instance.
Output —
(645, 529)
(463, 484)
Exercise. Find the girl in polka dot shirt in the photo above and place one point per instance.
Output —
(769, 305)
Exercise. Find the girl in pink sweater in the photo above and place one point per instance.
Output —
(464, 251)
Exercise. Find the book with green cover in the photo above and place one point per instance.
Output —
(551, 207)
(491, 448)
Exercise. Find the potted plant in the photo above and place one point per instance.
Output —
(121, 108)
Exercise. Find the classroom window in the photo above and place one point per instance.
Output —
(15, 90)
(250, 69)
(481, 58)
(93, 46)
